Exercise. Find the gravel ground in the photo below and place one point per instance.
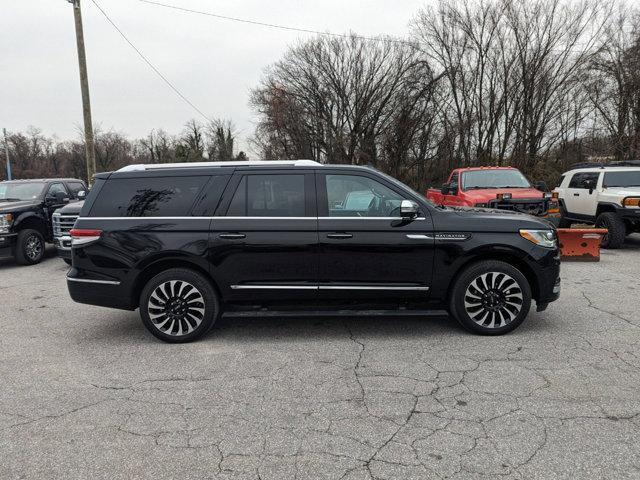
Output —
(87, 393)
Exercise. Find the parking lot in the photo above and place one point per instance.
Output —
(88, 393)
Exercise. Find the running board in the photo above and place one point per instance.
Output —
(334, 313)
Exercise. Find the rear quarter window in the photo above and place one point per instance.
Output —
(148, 197)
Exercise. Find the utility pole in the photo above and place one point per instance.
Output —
(6, 151)
(84, 85)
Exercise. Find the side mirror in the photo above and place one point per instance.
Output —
(542, 186)
(82, 195)
(444, 189)
(408, 209)
(590, 185)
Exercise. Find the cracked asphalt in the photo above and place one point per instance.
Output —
(86, 392)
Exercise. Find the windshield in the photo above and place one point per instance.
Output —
(494, 179)
(14, 192)
(622, 179)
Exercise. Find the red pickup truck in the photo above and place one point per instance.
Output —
(504, 188)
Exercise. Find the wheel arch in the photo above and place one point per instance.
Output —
(160, 265)
(32, 221)
(507, 256)
(605, 207)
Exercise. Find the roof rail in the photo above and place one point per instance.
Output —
(623, 163)
(240, 163)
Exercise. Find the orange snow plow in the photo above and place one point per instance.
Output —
(581, 244)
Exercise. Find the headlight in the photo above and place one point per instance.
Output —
(5, 222)
(544, 238)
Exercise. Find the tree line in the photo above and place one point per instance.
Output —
(537, 84)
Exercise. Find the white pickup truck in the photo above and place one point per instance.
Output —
(605, 194)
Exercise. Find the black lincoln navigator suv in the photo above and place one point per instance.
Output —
(183, 242)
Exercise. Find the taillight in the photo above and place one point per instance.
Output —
(82, 236)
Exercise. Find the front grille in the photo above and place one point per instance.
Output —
(62, 224)
(532, 208)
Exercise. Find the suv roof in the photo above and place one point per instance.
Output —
(603, 168)
(48, 180)
(261, 163)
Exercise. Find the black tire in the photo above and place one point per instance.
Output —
(179, 300)
(67, 261)
(617, 230)
(29, 247)
(498, 309)
(564, 223)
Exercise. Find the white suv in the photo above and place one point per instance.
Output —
(606, 195)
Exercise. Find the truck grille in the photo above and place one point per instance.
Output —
(536, 208)
(62, 224)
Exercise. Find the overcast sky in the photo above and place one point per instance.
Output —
(213, 62)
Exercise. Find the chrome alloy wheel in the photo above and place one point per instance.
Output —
(176, 308)
(493, 300)
(33, 247)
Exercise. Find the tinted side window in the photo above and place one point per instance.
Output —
(208, 202)
(356, 196)
(56, 188)
(74, 188)
(454, 180)
(269, 195)
(579, 178)
(148, 197)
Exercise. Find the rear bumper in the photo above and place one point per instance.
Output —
(7, 244)
(103, 292)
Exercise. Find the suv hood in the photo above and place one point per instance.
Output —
(623, 191)
(10, 207)
(72, 208)
(492, 220)
(486, 195)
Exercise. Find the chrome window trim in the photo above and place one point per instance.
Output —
(87, 280)
(247, 218)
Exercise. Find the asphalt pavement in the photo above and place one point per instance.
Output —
(87, 393)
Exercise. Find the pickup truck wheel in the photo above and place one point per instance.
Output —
(179, 305)
(490, 298)
(617, 230)
(29, 247)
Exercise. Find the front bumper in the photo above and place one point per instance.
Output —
(63, 246)
(7, 244)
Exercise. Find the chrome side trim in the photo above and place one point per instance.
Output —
(420, 237)
(86, 280)
(274, 287)
(370, 287)
(325, 287)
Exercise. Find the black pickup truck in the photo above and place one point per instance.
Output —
(26, 211)
(183, 242)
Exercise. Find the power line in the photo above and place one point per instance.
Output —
(281, 27)
(151, 65)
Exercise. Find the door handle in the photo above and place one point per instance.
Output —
(232, 236)
(339, 236)
(576, 194)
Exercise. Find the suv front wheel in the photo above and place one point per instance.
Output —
(490, 298)
(179, 305)
(617, 230)
(29, 247)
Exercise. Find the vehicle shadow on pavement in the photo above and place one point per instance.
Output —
(126, 328)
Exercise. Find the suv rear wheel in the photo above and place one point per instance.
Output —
(29, 247)
(490, 298)
(617, 230)
(179, 305)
